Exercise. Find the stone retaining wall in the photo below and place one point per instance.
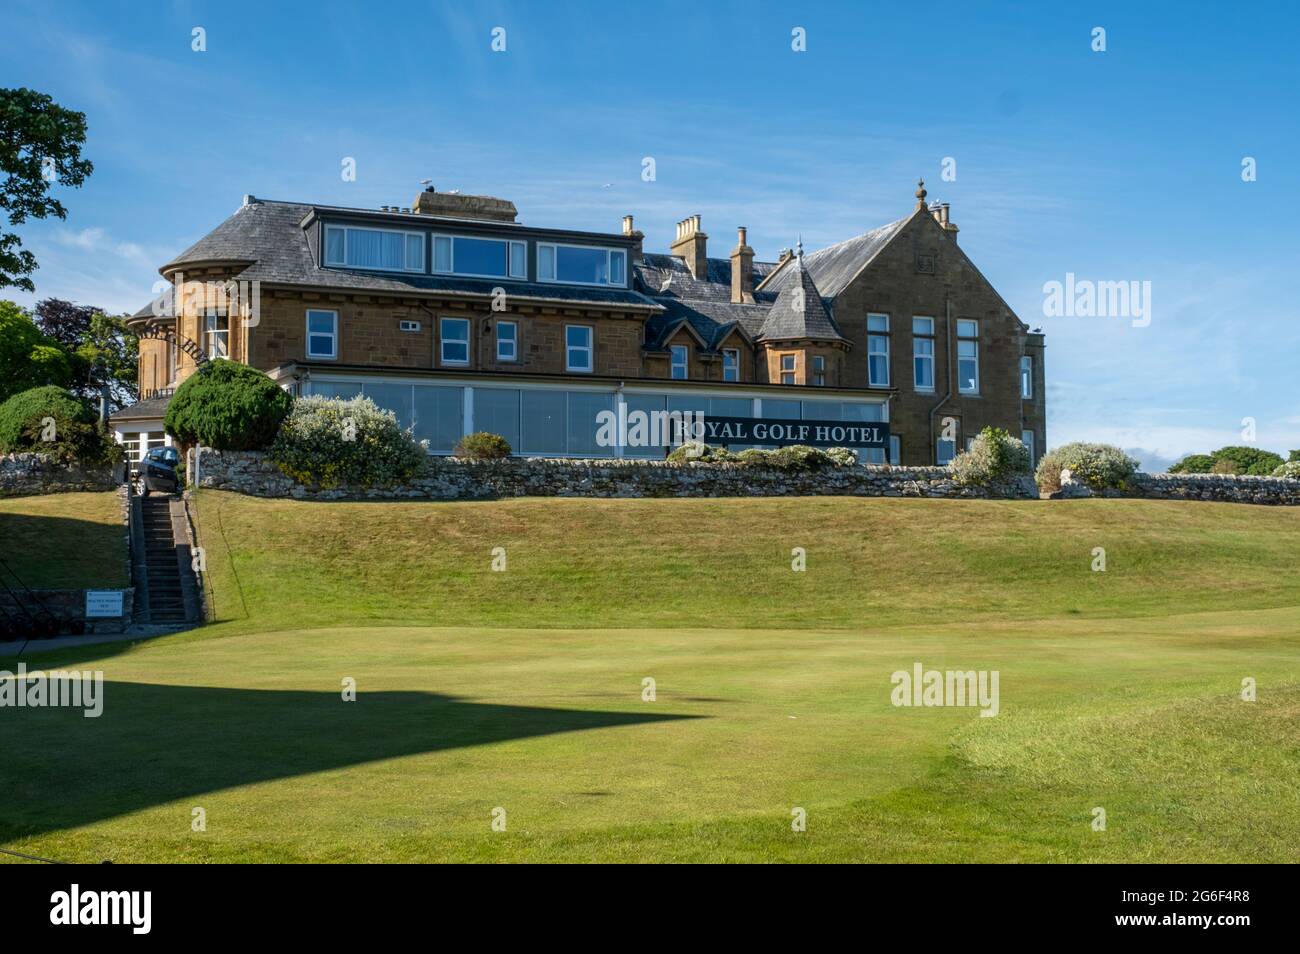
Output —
(26, 474)
(445, 478)
(1227, 488)
(68, 604)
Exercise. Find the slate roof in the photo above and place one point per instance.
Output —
(269, 236)
(148, 408)
(835, 266)
(706, 304)
(799, 311)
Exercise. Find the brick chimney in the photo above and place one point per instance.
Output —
(690, 244)
(742, 270)
(460, 206)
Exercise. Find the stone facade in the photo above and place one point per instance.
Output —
(28, 474)
(445, 478)
(923, 273)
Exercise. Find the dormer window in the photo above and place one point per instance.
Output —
(479, 257)
(387, 250)
(581, 265)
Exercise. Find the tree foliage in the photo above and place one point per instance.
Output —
(28, 358)
(40, 144)
(227, 406)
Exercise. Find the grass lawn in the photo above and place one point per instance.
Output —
(65, 541)
(523, 690)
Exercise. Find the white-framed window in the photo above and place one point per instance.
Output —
(454, 341)
(681, 356)
(968, 354)
(1027, 438)
(1026, 377)
(731, 364)
(217, 331)
(944, 452)
(581, 264)
(507, 341)
(819, 370)
(408, 326)
(787, 368)
(878, 351)
(388, 250)
(322, 333)
(476, 257)
(895, 450)
(577, 348)
(923, 353)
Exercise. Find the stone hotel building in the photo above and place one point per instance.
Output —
(459, 318)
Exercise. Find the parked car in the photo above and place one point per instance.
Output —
(157, 472)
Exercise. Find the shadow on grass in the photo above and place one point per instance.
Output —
(63, 552)
(154, 744)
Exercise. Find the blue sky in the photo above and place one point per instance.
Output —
(1123, 165)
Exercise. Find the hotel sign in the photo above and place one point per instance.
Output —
(779, 432)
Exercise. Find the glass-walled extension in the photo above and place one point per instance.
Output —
(563, 420)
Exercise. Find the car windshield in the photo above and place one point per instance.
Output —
(164, 455)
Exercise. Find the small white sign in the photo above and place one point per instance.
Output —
(101, 603)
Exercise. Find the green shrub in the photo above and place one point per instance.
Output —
(1100, 466)
(843, 456)
(1194, 464)
(1248, 460)
(1290, 469)
(326, 442)
(797, 458)
(482, 445)
(30, 418)
(1294, 458)
(227, 406)
(994, 457)
(695, 451)
(1230, 460)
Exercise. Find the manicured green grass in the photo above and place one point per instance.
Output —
(727, 563)
(65, 541)
(1118, 690)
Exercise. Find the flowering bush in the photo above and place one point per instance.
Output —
(1100, 466)
(482, 445)
(1290, 469)
(796, 458)
(325, 442)
(994, 457)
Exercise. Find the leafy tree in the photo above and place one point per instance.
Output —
(1248, 460)
(40, 143)
(103, 351)
(1194, 464)
(28, 359)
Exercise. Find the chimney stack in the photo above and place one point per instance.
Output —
(629, 230)
(742, 270)
(458, 206)
(691, 244)
(940, 212)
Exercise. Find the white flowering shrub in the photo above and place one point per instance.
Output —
(1290, 469)
(994, 457)
(1100, 466)
(327, 442)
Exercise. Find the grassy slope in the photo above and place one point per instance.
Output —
(71, 541)
(773, 688)
(673, 563)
